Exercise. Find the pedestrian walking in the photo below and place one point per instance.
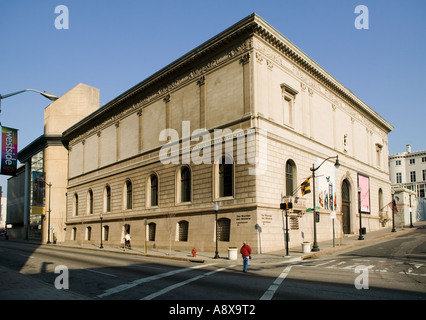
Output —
(246, 254)
(127, 241)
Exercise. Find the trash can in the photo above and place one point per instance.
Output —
(232, 253)
(306, 247)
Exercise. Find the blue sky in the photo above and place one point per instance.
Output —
(113, 45)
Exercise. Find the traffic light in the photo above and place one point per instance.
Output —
(305, 187)
(317, 216)
(285, 206)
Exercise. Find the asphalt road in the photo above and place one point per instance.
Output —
(389, 269)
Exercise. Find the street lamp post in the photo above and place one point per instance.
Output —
(359, 211)
(313, 169)
(216, 209)
(101, 217)
(48, 217)
(47, 95)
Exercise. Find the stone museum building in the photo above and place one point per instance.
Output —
(239, 121)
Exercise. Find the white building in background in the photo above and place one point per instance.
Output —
(408, 170)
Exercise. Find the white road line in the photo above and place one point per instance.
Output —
(321, 264)
(274, 286)
(137, 282)
(105, 274)
(177, 285)
(335, 265)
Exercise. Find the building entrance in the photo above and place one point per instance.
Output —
(346, 207)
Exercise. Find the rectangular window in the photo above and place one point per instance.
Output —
(412, 161)
(288, 98)
(288, 110)
(398, 162)
(398, 177)
(413, 176)
(424, 175)
(379, 154)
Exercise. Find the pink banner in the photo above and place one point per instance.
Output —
(364, 185)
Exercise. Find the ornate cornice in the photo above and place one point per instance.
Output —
(304, 67)
(234, 43)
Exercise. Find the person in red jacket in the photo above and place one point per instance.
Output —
(245, 252)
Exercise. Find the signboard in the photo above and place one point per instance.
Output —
(9, 151)
(364, 193)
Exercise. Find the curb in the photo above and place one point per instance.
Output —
(360, 243)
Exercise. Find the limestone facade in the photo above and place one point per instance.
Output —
(284, 114)
(47, 154)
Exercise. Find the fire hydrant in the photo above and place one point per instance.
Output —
(194, 253)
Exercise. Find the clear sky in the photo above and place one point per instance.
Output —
(115, 44)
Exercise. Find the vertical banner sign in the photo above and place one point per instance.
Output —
(364, 185)
(9, 151)
(326, 185)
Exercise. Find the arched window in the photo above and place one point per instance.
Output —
(75, 205)
(183, 230)
(223, 229)
(226, 177)
(151, 231)
(380, 199)
(346, 206)
(90, 201)
(88, 233)
(128, 195)
(152, 190)
(105, 233)
(290, 177)
(184, 184)
(107, 199)
(74, 234)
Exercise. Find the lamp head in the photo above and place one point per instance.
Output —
(216, 206)
(49, 96)
(337, 164)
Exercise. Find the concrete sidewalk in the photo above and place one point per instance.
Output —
(16, 286)
(276, 257)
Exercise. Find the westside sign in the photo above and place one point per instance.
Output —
(9, 151)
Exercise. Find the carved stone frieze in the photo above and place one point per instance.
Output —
(239, 50)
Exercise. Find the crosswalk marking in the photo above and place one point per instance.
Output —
(336, 265)
(324, 263)
(179, 284)
(352, 264)
(275, 285)
(137, 282)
